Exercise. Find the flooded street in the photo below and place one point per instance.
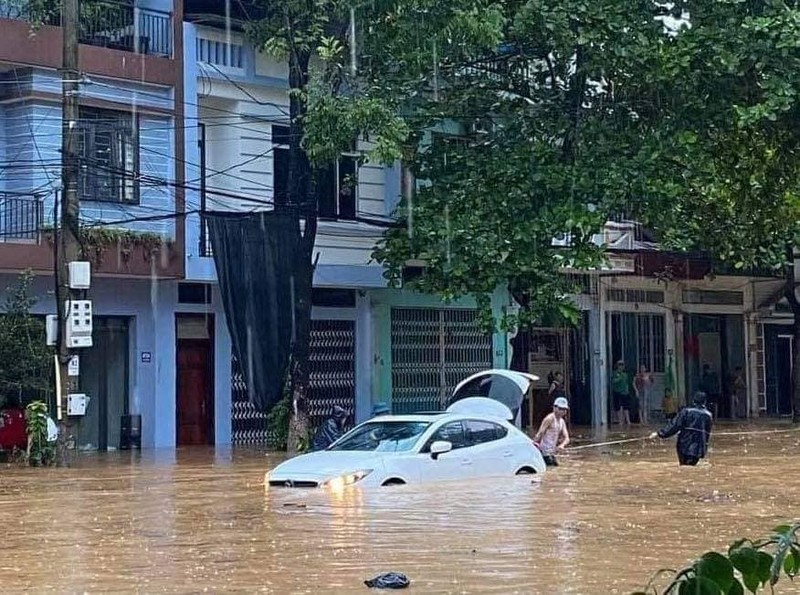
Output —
(200, 520)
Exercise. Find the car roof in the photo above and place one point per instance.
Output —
(431, 417)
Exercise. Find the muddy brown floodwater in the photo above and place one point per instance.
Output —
(200, 520)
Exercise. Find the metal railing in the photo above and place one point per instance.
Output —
(114, 24)
(21, 218)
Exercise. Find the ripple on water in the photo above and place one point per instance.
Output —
(600, 523)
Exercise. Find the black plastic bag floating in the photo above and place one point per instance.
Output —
(390, 580)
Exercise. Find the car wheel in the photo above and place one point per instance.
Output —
(394, 481)
(526, 471)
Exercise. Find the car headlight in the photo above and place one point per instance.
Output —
(338, 483)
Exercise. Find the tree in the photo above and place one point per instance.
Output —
(720, 168)
(522, 134)
(25, 359)
(326, 114)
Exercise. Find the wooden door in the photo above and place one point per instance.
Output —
(194, 403)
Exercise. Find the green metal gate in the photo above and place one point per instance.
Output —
(432, 351)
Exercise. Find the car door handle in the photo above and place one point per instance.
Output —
(508, 453)
(466, 462)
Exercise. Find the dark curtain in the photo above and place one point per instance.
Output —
(264, 272)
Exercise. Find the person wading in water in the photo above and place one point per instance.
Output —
(552, 436)
(693, 426)
(331, 430)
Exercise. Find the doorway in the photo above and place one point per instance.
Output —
(104, 378)
(714, 353)
(779, 357)
(194, 408)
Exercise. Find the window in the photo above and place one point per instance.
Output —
(639, 339)
(109, 156)
(336, 184)
(194, 293)
(717, 298)
(337, 189)
(449, 146)
(635, 296)
(383, 436)
(280, 163)
(452, 432)
(481, 432)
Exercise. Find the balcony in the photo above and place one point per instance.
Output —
(21, 218)
(114, 24)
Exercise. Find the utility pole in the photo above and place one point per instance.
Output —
(67, 243)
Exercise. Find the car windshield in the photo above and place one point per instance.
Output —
(383, 436)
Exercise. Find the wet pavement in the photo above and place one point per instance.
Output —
(200, 520)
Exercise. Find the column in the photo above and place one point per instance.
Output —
(364, 356)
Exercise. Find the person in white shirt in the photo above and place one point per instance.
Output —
(553, 436)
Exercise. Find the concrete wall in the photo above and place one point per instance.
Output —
(151, 308)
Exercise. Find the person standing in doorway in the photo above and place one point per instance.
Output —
(642, 385)
(693, 426)
(621, 393)
(553, 436)
(739, 393)
(556, 389)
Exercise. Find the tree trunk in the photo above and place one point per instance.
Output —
(301, 197)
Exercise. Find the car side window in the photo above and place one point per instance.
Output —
(452, 432)
(480, 432)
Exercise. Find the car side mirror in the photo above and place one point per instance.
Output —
(440, 447)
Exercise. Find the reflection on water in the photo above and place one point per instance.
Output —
(601, 523)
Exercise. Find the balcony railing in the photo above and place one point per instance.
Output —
(21, 218)
(113, 24)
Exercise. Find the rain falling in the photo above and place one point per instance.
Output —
(348, 295)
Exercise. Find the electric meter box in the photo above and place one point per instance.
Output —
(79, 323)
(80, 275)
(51, 329)
(77, 403)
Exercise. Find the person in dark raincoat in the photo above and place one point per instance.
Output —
(331, 430)
(693, 426)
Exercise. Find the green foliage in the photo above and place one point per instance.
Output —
(40, 451)
(523, 126)
(25, 360)
(747, 565)
(725, 136)
(278, 423)
(96, 240)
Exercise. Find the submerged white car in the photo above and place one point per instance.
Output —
(472, 439)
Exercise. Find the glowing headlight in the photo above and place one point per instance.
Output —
(338, 483)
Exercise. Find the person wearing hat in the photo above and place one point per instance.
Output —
(693, 426)
(380, 409)
(553, 436)
(331, 430)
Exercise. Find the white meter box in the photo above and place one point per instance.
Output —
(80, 275)
(79, 323)
(77, 403)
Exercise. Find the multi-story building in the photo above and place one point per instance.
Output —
(370, 343)
(131, 153)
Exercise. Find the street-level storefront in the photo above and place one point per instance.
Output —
(690, 335)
